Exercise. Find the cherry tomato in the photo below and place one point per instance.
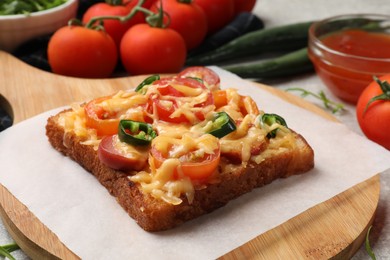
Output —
(105, 122)
(130, 159)
(114, 28)
(208, 76)
(218, 12)
(166, 106)
(374, 119)
(192, 165)
(147, 50)
(81, 52)
(187, 18)
(243, 6)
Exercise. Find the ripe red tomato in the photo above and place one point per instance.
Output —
(114, 28)
(374, 119)
(218, 12)
(187, 18)
(146, 50)
(112, 157)
(243, 6)
(81, 52)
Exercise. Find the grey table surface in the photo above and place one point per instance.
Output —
(278, 12)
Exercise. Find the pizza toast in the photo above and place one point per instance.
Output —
(176, 148)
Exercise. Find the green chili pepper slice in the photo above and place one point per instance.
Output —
(149, 80)
(270, 119)
(222, 124)
(136, 133)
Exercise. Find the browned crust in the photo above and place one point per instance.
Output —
(155, 215)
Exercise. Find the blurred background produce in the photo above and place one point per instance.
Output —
(24, 20)
(194, 29)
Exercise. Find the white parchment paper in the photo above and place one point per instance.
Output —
(89, 221)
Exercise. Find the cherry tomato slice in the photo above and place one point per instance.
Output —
(172, 89)
(105, 123)
(208, 76)
(131, 159)
(192, 166)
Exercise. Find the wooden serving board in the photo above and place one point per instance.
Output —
(335, 228)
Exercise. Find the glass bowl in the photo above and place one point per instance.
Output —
(348, 50)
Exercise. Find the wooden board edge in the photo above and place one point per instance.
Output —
(50, 248)
(265, 245)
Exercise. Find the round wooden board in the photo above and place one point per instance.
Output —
(335, 228)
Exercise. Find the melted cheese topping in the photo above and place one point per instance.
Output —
(161, 184)
(130, 151)
(167, 181)
(74, 121)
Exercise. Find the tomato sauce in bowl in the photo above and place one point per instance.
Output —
(347, 51)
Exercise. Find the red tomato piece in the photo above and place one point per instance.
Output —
(208, 76)
(114, 159)
(167, 106)
(218, 12)
(187, 18)
(147, 50)
(374, 119)
(114, 28)
(81, 52)
(192, 166)
(105, 123)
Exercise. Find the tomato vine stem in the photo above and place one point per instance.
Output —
(153, 19)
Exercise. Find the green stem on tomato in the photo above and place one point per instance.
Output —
(385, 87)
(153, 19)
(122, 19)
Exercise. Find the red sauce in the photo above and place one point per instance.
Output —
(347, 76)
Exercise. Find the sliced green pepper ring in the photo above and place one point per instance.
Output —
(270, 119)
(222, 124)
(136, 133)
(149, 80)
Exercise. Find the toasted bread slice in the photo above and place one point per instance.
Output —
(156, 215)
(201, 148)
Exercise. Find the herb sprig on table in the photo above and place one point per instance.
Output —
(9, 7)
(329, 104)
(5, 250)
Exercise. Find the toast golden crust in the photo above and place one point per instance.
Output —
(156, 215)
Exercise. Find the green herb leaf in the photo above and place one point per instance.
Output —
(5, 250)
(328, 104)
(368, 247)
